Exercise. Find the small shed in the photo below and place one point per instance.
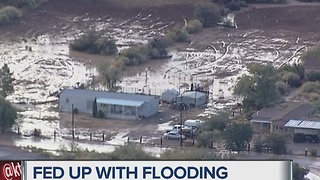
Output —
(194, 98)
(168, 95)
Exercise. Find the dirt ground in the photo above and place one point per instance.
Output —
(277, 20)
(135, 128)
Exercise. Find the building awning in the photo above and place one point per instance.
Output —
(303, 124)
(120, 102)
(260, 121)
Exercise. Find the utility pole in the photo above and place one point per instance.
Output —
(72, 122)
(93, 83)
(179, 82)
(146, 81)
(181, 106)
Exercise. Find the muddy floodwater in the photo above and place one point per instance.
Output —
(42, 66)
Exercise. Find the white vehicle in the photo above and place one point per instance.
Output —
(193, 123)
(174, 135)
(178, 127)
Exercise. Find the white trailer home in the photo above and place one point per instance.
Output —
(113, 104)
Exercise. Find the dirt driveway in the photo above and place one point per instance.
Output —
(134, 129)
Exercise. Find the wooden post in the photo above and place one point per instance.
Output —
(103, 137)
(140, 139)
(90, 136)
(193, 142)
(72, 121)
(54, 135)
(128, 140)
(211, 144)
(19, 131)
(160, 141)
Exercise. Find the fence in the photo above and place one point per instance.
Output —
(90, 137)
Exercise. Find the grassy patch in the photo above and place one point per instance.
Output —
(95, 59)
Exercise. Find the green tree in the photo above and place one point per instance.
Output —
(218, 121)
(8, 115)
(259, 88)
(157, 48)
(277, 143)
(204, 139)
(94, 108)
(110, 75)
(208, 15)
(6, 84)
(283, 87)
(295, 68)
(237, 136)
(313, 76)
(292, 79)
(298, 172)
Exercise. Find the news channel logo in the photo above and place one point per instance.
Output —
(11, 170)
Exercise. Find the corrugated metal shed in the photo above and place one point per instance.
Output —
(293, 123)
(106, 94)
(303, 124)
(120, 102)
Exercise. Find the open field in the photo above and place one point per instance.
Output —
(217, 56)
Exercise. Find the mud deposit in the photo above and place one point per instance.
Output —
(216, 57)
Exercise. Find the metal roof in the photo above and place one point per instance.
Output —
(106, 94)
(193, 94)
(120, 102)
(303, 124)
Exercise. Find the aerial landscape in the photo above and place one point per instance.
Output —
(148, 79)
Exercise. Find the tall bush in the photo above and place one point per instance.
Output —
(8, 14)
(94, 43)
(193, 26)
(209, 15)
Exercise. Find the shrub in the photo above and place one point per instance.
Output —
(177, 35)
(292, 79)
(208, 15)
(313, 52)
(313, 152)
(119, 63)
(204, 139)
(258, 146)
(193, 26)
(135, 55)
(170, 37)
(8, 14)
(93, 43)
(37, 132)
(282, 87)
(101, 114)
(312, 97)
(157, 48)
(313, 76)
(277, 143)
(310, 87)
(232, 6)
(106, 46)
(243, 4)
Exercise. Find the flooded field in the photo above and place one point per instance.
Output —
(42, 66)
